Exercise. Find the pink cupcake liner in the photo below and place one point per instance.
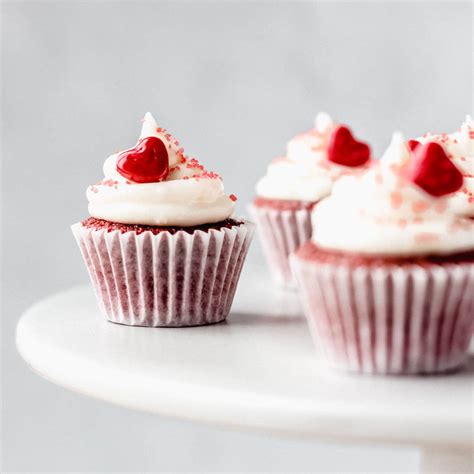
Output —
(281, 233)
(389, 319)
(165, 279)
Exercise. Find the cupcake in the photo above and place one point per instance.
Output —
(387, 280)
(295, 183)
(161, 245)
(459, 146)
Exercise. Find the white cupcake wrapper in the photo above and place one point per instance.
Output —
(165, 279)
(281, 233)
(390, 319)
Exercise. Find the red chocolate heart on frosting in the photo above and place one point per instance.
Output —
(147, 162)
(432, 170)
(413, 144)
(345, 150)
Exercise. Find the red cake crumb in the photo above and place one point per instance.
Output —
(310, 251)
(283, 204)
(101, 224)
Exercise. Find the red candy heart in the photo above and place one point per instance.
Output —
(147, 162)
(432, 170)
(345, 150)
(413, 144)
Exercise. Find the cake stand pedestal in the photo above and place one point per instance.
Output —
(257, 371)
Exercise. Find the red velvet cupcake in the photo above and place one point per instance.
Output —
(161, 247)
(294, 184)
(387, 281)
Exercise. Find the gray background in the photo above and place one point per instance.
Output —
(233, 82)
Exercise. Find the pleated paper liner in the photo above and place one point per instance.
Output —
(391, 319)
(281, 232)
(166, 279)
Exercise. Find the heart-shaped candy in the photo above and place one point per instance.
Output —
(147, 162)
(345, 150)
(413, 144)
(432, 170)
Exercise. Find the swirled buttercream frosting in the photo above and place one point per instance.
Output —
(398, 207)
(155, 183)
(313, 161)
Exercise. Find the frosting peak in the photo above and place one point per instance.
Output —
(397, 153)
(149, 127)
(323, 123)
(143, 192)
(381, 212)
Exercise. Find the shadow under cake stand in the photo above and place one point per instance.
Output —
(257, 371)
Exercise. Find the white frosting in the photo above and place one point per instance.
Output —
(287, 179)
(381, 213)
(460, 148)
(305, 174)
(189, 196)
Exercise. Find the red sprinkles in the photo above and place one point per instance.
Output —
(183, 161)
(210, 175)
(194, 164)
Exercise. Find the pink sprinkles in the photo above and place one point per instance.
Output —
(426, 237)
(210, 175)
(111, 183)
(194, 164)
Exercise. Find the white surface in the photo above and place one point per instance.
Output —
(257, 371)
(442, 461)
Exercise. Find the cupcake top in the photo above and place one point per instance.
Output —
(155, 183)
(459, 147)
(398, 207)
(314, 160)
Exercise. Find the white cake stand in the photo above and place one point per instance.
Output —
(256, 371)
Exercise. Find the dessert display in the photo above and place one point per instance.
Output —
(387, 279)
(382, 251)
(161, 244)
(459, 146)
(295, 183)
